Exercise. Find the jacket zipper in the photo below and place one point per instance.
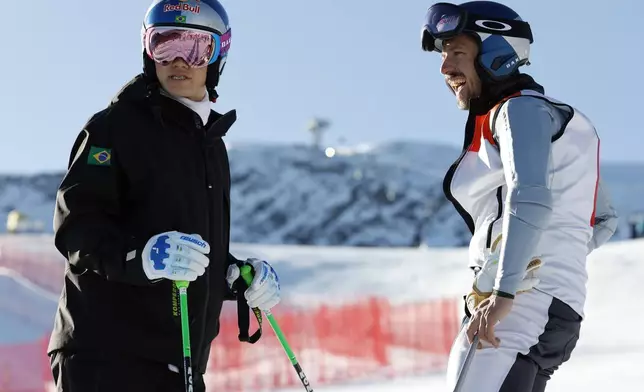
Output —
(447, 181)
(208, 185)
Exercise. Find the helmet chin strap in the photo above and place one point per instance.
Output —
(212, 80)
(487, 82)
(212, 93)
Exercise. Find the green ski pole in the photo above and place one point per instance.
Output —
(246, 272)
(185, 333)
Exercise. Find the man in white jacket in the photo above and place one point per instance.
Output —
(527, 185)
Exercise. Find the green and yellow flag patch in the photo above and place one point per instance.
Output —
(99, 156)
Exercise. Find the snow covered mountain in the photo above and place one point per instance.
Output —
(386, 195)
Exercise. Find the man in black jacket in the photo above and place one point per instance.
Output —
(146, 202)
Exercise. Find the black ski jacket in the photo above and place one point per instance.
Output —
(142, 166)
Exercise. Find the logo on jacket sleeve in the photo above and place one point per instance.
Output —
(99, 156)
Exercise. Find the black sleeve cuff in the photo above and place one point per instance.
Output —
(232, 260)
(502, 294)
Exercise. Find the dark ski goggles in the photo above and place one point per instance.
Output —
(445, 20)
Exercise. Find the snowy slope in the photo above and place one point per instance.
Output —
(385, 195)
(389, 195)
(27, 310)
(607, 356)
(610, 350)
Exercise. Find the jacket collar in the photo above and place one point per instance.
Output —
(493, 93)
(167, 111)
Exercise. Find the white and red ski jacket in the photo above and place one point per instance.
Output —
(529, 182)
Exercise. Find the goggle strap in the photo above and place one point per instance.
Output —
(185, 26)
(216, 50)
(505, 27)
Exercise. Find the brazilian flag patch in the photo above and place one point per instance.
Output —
(180, 19)
(99, 156)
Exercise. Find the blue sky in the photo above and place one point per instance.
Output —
(356, 62)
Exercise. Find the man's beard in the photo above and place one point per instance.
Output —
(463, 105)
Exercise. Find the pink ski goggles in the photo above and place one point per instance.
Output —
(197, 48)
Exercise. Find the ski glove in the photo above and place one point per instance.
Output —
(485, 278)
(175, 256)
(264, 290)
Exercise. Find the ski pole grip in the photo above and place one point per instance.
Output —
(246, 272)
(181, 284)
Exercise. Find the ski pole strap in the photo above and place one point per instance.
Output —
(243, 316)
(467, 310)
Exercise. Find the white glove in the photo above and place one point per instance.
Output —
(175, 256)
(485, 279)
(264, 291)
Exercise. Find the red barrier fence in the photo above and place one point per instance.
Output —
(24, 367)
(366, 339)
